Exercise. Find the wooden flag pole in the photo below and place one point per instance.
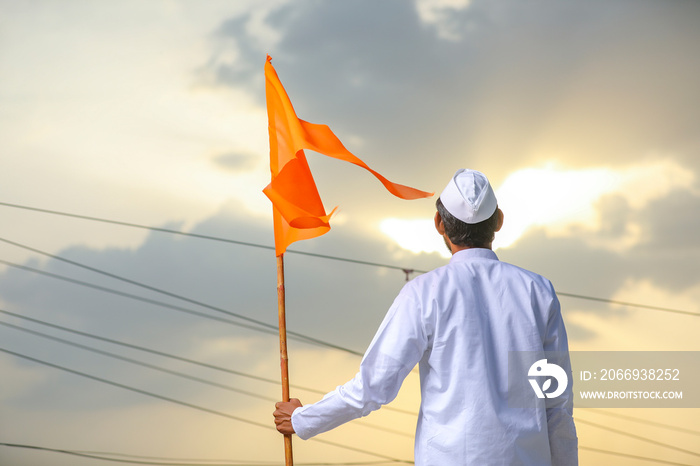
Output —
(284, 359)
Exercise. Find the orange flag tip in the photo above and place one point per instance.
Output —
(413, 193)
(269, 58)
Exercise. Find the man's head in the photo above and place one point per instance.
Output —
(467, 212)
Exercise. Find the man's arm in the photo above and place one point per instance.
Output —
(396, 348)
(563, 442)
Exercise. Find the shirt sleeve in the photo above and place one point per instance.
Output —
(396, 348)
(563, 442)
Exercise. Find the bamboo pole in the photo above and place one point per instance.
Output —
(284, 359)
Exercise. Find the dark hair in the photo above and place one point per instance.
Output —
(476, 235)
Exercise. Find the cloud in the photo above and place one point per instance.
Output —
(561, 200)
(671, 222)
(235, 161)
(615, 218)
(662, 254)
(570, 263)
(666, 246)
(22, 378)
(440, 14)
(575, 81)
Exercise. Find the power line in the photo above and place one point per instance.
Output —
(136, 390)
(140, 298)
(636, 457)
(152, 351)
(191, 405)
(637, 437)
(106, 457)
(173, 372)
(160, 303)
(137, 362)
(628, 304)
(227, 387)
(195, 235)
(190, 361)
(293, 335)
(137, 459)
(321, 256)
(263, 425)
(643, 421)
(175, 295)
(153, 301)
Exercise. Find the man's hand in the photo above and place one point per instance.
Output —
(283, 415)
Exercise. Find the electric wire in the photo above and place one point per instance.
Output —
(171, 356)
(636, 457)
(321, 256)
(169, 306)
(137, 362)
(629, 304)
(175, 373)
(137, 459)
(256, 395)
(156, 352)
(245, 462)
(638, 437)
(196, 235)
(114, 457)
(645, 439)
(141, 298)
(177, 296)
(136, 390)
(105, 457)
(192, 405)
(643, 421)
(154, 302)
(367, 425)
(266, 398)
(181, 359)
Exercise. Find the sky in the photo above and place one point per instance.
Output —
(583, 114)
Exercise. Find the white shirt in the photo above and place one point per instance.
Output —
(459, 323)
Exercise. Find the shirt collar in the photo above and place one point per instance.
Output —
(473, 253)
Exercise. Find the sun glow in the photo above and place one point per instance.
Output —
(552, 198)
(567, 201)
(561, 201)
(416, 235)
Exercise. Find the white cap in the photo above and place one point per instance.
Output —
(469, 196)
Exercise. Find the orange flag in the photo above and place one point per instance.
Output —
(297, 208)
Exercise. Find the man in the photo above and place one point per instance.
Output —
(459, 323)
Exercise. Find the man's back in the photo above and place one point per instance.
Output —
(474, 311)
(458, 323)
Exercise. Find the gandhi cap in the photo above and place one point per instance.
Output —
(469, 196)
